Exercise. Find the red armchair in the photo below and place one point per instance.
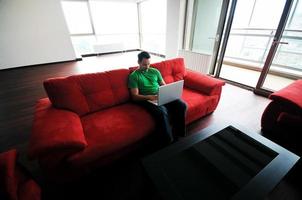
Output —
(282, 118)
(89, 119)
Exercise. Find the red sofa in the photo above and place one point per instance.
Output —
(89, 120)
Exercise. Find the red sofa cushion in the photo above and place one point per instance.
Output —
(174, 70)
(112, 130)
(88, 93)
(198, 104)
(66, 93)
(119, 85)
(166, 72)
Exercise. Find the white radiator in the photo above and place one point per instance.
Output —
(106, 48)
(196, 61)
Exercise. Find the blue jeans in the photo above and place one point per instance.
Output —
(174, 112)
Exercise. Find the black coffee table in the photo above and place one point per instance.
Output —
(220, 162)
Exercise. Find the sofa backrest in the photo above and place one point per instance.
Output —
(87, 93)
(171, 70)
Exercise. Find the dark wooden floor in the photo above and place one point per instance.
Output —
(21, 87)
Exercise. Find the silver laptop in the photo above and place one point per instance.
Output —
(169, 92)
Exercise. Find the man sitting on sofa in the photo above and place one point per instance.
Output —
(144, 84)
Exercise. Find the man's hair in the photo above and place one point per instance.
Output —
(143, 55)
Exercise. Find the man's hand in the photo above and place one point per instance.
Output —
(163, 82)
(138, 97)
(152, 97)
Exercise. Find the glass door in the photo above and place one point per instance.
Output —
(286, 64)
(247, 44)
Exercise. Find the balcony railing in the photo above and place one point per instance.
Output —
(251, 45)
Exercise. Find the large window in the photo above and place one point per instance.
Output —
(289, 55)
(102, 26)
(153, 16)
(116, 23)
(77, 17)
(253, 32)
(80, 27)
(264, 46)
(106, 26)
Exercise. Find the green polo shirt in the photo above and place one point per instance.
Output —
(147, 81)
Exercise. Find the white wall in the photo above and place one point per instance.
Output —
(33, 32)
(175, 27)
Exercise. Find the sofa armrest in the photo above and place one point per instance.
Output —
(55, 130)
(202, 82)
(291, 94)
